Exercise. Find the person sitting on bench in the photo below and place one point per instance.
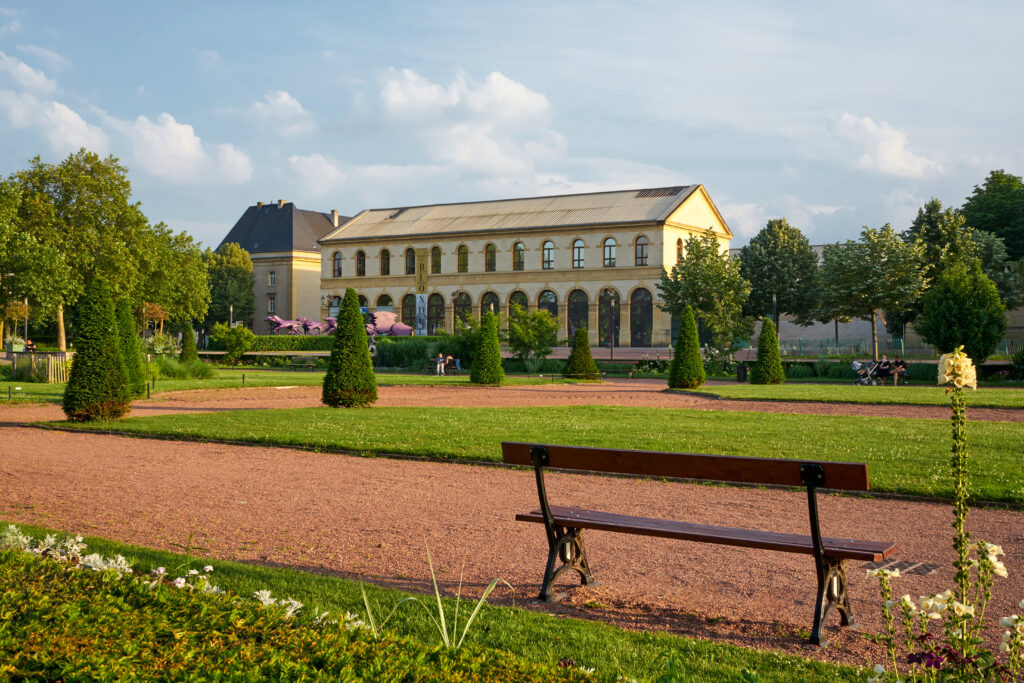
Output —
(30, 346)
(899, 369)
(884, 369)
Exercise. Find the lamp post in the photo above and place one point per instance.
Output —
(610, 295)
(231, 315)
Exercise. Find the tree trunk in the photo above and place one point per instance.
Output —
(874, 334)
(62, 343)
(2, 329)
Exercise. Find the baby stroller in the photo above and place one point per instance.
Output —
(866, 373)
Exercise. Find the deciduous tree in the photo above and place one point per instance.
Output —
(998, 207)
(963, 308)
(779, 262)
(230, 272)
(531, 334)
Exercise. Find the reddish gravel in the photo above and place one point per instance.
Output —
(370, 517)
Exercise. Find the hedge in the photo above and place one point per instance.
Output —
(310, 342)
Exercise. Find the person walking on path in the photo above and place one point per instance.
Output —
(440, 363)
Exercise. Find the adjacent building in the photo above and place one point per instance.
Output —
(591, 259)
(282, 241)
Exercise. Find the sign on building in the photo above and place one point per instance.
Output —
(421, 291)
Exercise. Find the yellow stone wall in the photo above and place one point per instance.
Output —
(297, 288)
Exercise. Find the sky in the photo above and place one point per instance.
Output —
(834, 115)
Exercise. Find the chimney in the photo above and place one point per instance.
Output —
(259, 205)
(281, 203)
(334, 217)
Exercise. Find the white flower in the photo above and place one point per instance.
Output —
(179, 582)
(193, 572)
(1004, 646)
(208, 568)
(291, 607)
(159, 571)
(1021, 604)
(962, 609)
(264, 597)
(882, 573)
(999, 569)
(1008, 622)
(907, 601)
(992, 549)
(879, 673)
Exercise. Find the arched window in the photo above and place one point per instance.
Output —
(409, 310)
(463, 306)
(608, 317)
(548, 301)
(360, 263)
(410, 263)
(435, 312)
(641, 251)
(363, 303)
(518, 299)
(579, 309)
(548, 256)
(490, 258)
(490, 302)
(679, 250)
(518, 256)
(336, 267)
(609, 253)
(334, 307)
(384, 303)
(385, 262)
(435, 262)
(577, 254)
(641, 316)
(463, 258)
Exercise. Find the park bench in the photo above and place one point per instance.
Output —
(302, 363)
(565, 525)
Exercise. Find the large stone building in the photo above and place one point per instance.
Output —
(282, 241)
(591, 259)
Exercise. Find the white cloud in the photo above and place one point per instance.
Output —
(25, 76)
(283, 113)
(171, 150)
(882, 148)
(209, 59)
(64, 129)
(745, 220)
(9, 21)
(317, 175)
(52, 59)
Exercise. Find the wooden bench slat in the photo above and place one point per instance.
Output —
(844, 548)
(838, 475)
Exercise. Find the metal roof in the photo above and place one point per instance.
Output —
(652, 205)
(269, 228)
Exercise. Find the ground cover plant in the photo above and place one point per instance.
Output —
(903, 456)
(92, 617)
(531, 636)
(848, 393)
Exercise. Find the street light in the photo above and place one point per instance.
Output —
(609, 294)
(231, 315)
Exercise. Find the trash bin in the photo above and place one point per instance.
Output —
(741, 373)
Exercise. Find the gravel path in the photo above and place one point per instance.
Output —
(369, 518)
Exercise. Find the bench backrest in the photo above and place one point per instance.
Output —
(838, 475)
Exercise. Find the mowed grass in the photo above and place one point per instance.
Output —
(30, 392)
(849, 393)
(908, 456)
(532, 635)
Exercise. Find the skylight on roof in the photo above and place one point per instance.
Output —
(659, 192)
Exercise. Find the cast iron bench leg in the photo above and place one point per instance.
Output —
(832, 592)
(571, 551)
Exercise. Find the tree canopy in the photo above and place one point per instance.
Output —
(997, 206)
(230, 273)
(963, 308)
(710, 282)
(780, 262)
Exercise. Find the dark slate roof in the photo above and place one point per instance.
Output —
(269, 228)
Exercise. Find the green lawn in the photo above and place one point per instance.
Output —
(904, 455)
(229, 379)
(849, 393)
(534, 636)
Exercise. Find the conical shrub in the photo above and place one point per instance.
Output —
(768, 368)
(687, 368)
(98, 386)
(188, 345)
(350, 381)
(131, 351)
(581, 364)
(487, 359)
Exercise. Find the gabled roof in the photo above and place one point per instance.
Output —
(651, 205)
(271, 227)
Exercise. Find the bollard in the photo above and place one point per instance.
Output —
(243, 379)
(9, 397)
(147, 389)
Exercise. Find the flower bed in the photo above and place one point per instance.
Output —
(75, 616)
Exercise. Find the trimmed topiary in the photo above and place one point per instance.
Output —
(768, 368)
(188, 345)
(687, 368)
(131, 351)
(350, 381)
(487, 359)
(581, 364)
(98, 386)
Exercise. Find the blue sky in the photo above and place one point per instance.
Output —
(835, 115)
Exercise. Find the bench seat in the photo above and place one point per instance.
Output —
(839, 548)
